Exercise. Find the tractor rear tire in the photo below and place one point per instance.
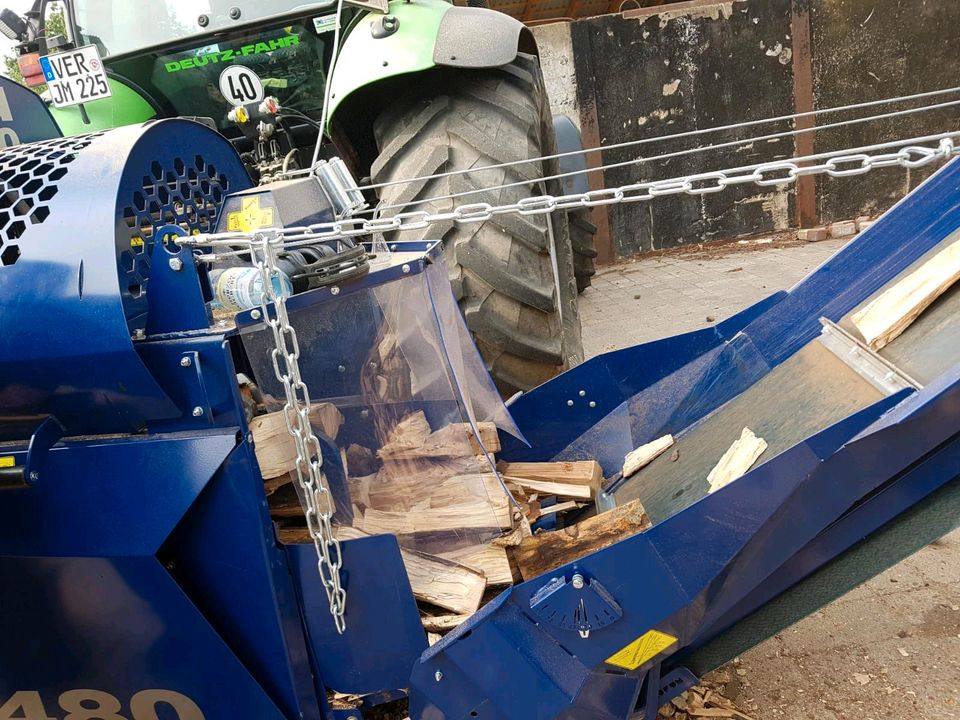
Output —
(513, 275)
(582, 234)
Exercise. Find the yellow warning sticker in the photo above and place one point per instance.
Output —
(250, 216)
(7, 461)
(644, 648)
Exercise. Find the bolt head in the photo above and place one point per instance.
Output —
(583, 393)
(34, 476)
(593, 404)
(198, 411)
(334, 290)
(185, 362)
(234, 13)
(569, 403)
(438, 676)
(256, 314)
(405, 269)
(176, 264)
(341, 369)
(577, 581)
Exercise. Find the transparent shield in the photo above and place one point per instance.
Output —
(406, 412)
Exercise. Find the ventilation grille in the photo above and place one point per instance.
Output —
(184, 193)
(29, 177)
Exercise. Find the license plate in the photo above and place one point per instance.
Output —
(75, 76)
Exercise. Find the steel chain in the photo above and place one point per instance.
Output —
(318, 502)
(782, 172)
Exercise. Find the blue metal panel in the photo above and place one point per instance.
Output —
(225, 557)
(384, 636)
(117, 625)
(110, 497)
(28, 118)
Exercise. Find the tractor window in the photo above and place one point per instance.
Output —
(120, 27)
(290, 60)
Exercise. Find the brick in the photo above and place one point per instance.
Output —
(843, 229)
(863, 222)
(813, 234)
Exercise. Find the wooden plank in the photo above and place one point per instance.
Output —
(645, 454)
(472, 515)
(491, 560)
(542, 487)
(549, 550)
(442, 623)
(883, 320)
(803, 98)
(436, 580)
(580, 472)
(275, 448)
(737, 460)
(454, 440)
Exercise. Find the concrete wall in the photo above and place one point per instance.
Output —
(701, 64)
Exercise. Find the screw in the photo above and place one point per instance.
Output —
(577, 581)
(234, 13)
(334, 290)
(185, 362)
(593, 404)
(176, 264)
(203, 21)
(406, 269)
(256, 314)
(583, 393)
(34, 476)
(438, 676)
(198, 411)
(569, 403)
(341, 369)
(139, 334)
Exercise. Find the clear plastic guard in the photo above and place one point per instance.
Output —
(406, 410)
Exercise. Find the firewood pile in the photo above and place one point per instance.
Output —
(463, 538)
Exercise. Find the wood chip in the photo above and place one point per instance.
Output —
(491, 560)
(737, 460)
(544, 488)
(579, 472)
(645, 454)
(883, 320)
(442, 623)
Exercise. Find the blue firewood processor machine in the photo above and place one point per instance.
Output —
(141, 575)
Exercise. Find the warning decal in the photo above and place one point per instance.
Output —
(250, 216)
(7, 461)
(644, 648)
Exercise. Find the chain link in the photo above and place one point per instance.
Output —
(782, 172)
(318, 502)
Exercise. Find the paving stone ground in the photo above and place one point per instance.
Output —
(889, 650)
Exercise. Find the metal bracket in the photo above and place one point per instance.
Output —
(47, 434)
(174, 297)
(879, 372)
(579, 604)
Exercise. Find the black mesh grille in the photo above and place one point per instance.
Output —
(187, 193)
(29, 177)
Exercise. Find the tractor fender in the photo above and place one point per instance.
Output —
(428, 34)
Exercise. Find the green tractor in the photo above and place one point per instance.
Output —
(420, 89)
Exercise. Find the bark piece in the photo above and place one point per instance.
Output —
(737, 460)
(549, 550)
(882, 320)
(645, 454)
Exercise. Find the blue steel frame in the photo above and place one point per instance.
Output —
(145, 558)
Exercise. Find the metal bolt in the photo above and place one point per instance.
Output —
(593, 404)
(203, 21)
(341, 369)
(438, 676)
(139, 334)
(352, 717)
(198, 411)
(256, 314)
(364, 413)
(334, 290)
(577, 581)
(234, 13)
(406, 269)
(185, 362)
(176, 264)
(34, 476)
(583, 393)
(569, 403)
